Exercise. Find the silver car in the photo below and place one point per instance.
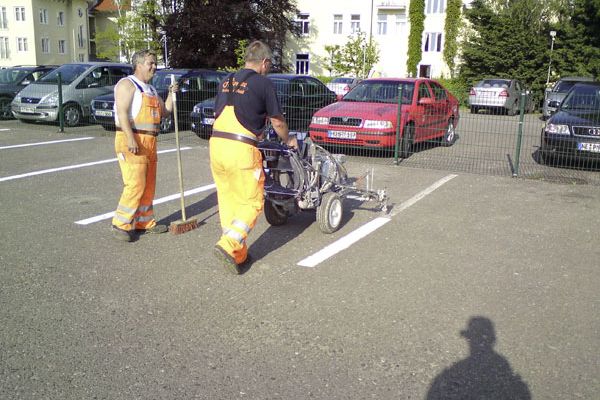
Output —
(558, 93)
(499, 95)
(81, 82)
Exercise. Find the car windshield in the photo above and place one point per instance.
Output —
(13, 75)
(582, 98)
(563, 86)
(162, 79)
(494, 83)
(381, 92)
(68, 73)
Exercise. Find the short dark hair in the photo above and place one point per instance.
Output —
(258, 51)
(139, 56)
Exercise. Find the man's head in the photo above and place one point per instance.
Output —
(258, 57)
(144, 64)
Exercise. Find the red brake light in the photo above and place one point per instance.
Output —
(472, 92)
(503, 93)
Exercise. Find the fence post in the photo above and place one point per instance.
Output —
(520, 133)
(61, 117)
(398, 120)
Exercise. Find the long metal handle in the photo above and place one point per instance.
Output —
(179, 168)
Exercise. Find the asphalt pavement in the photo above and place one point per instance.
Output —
(473, 286)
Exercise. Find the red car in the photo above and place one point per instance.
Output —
(368, 115)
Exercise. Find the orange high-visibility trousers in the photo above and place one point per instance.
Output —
(237, 171)
(135, 209)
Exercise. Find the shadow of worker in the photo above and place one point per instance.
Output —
(485, 374)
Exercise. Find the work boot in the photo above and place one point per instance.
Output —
(155, 229)
(226, 260)
(121, 234)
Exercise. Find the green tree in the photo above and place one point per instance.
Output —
(416, 18)
(451, 28)
(356, 57)
(330, 64)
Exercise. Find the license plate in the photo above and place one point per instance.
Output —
(341, 135)
(208, 121)
(103, 113)
(30, 110)
(593, 147)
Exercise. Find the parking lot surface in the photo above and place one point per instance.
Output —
(473, 285)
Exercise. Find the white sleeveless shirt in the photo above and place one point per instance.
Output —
(136, 103)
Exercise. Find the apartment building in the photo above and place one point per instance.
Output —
(46, 31)
(383, 21)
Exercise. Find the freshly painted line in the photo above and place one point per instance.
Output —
(47, 171)
(5, 129)
(354, 236)
(41, 143)
(108, 215)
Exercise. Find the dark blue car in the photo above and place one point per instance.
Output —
(573, 132)
(13, 79)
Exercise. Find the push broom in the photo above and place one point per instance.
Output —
(182, 225)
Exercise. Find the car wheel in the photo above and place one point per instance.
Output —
(274, 215)
(72, 115)
(166, 124)
(329, 212)
(449, 136)
(5, 112)
(406, 141)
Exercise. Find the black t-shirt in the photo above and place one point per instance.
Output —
(253, 101)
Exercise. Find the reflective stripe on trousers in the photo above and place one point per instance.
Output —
(237, 171)
(135, 210)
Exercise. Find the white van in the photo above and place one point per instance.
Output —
(81, 82)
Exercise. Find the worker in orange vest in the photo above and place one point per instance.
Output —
(138, 111)
(244, 102)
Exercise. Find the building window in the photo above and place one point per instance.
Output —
(435, 7)
(400, 24)
(433, 42)
(45, 45)
(4, 50)
(80, 37)
(62, 46)
(20, 13)
(355, 23)
(81, 57)
(21, 44)
(3, 19)
(382, 24)
(337, 24)
(60, 19)
(80, 12)
(43, 16)
(302, 22)
(302, 64)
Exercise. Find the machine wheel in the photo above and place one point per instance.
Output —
(329, 212)
(406, 141)
(275, 215)
(449, 136)
(5, 112)
(72, 115)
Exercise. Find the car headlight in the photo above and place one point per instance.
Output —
(320, 120)
(196, 109)
(377, 124)
(51, 99)
(557, 129)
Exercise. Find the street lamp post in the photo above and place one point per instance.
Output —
(552, 35)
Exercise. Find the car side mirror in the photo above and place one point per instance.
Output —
(26, 82)
(554, 103)
(426, 101)
(93, 85)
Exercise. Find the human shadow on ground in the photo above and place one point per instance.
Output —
(485, 374)
(193, 210)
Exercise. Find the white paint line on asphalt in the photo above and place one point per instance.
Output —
(175, 196)
(68, 167)
(4, 129)
(370, 227)
(42, 143)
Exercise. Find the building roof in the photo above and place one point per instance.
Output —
(111, 5)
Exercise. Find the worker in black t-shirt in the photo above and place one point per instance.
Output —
(244, 102)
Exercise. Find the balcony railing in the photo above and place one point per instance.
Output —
(391, 4)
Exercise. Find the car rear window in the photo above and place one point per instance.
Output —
(494, 83)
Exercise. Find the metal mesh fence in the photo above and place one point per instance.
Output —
(430, 131)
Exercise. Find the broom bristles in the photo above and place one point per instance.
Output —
(179, 227)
